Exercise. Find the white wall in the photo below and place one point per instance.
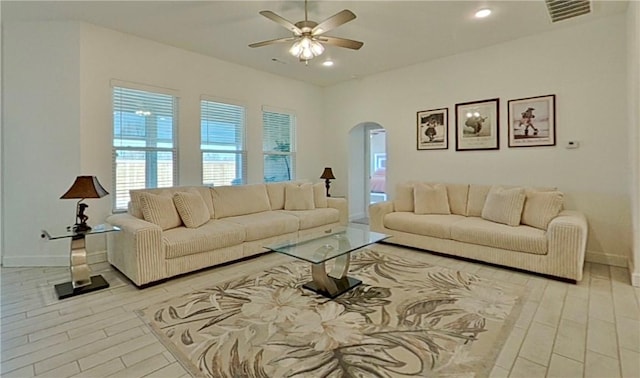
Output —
(584, 66)
(633, 49)
(58, 121)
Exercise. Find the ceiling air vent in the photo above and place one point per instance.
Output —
(562, 9)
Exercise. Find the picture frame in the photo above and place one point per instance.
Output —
(478, 125)
(432, 129)
(532, 121)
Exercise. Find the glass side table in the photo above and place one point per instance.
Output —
(81, 280)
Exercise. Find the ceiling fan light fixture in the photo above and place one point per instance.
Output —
(306, 48)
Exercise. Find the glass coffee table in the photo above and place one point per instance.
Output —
(336, 243)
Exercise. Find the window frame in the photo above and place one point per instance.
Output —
(292, 136)
(114, 84)
(241, 153)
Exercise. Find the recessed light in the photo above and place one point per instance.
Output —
(482, 13)
(327, 63)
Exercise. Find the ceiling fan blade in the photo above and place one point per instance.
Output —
(333, 22)
(341, 42)
(282, 21)
(272, 41)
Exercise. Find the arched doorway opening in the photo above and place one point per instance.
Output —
(367, 168)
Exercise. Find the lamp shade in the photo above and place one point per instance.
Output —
(85, 187)
(327, 174)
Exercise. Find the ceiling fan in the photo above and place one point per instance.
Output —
(308, 36)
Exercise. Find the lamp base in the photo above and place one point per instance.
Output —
(66, 290)
(81, 227)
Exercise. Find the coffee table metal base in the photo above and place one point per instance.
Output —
(341, 286)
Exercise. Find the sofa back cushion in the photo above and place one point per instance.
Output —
(458, 194)
(299, 197)
(230, 201)
(540, 207)
(476, 199)
(320, 196)
(275, 191)
(504, 205)
(431, 199)
(159, 209)
(404, 197)
(191, 207)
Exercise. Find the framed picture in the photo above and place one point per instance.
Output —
(532, 121)
(433, 129)
(477, 125)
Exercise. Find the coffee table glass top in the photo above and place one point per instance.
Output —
(318, 248)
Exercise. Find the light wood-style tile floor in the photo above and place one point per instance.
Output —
(591, 329)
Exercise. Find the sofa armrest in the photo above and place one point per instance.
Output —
(567, 238)
(341, 205)
(377, 211)
(137, 249)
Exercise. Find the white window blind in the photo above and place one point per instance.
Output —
(222, 130)
(144, 145)
(278, 145)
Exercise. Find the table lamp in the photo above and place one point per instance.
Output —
(327, 175)
(84, 187)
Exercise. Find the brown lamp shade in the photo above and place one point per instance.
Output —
(327, 174)
(85, 187)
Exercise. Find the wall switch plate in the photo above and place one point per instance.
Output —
(573, 144)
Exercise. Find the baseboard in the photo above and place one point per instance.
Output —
(607, 259)
(27, 261)
(635, 276)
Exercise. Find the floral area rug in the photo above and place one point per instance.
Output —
(408, 318)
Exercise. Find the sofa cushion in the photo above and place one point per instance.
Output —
(315, 218)
(159, 209)
(230, 201)
(275, 190)
(320, 195)
(266, 224)
(437, 226)
(476, 199)
(192, 208)
(210, 236)
(504, 205)
(430, 199)
(541, 207)
(458, 194)
(135, 207)
(404, 198)
(299, 197)
(476, 230)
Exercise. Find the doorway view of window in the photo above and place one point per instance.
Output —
(377, 165)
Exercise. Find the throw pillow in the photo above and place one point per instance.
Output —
(431, 199)
(299, 197)
(192, 208)
(159, 209)
(320, 195)
(504, 205)
(404, 198)
(477, 198)
(541, 207)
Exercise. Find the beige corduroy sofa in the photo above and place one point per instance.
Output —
(171, 231)
(523, 228)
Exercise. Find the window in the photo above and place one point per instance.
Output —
(144, 145)
(278, 145)
(222, 143)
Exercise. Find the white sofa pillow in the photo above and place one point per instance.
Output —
(192, 209)
(541, 207)
(320, 195)
(299, 197)
(404, 198)
(504, 205)
(431, 199)
(159, 209)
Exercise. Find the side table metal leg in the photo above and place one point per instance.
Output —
(80, 272)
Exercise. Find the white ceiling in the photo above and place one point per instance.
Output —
(395, 33)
